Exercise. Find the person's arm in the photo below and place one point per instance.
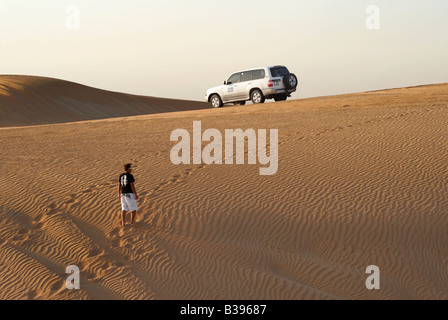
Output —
(133, 190)
(119, 191)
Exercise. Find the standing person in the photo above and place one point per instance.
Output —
(127, 194)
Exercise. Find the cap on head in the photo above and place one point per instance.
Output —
(127, 166)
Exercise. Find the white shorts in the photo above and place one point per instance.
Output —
(128, 202)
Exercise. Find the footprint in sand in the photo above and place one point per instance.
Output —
(90, 190)
(117, 243)
(23, 235)
(91, 276)
(114, 233)
(95, 253)
(107, 265)
(176, 179)
(58, 286)
(80, 265)
(23, 231)
(52, 212)
(39, 218)
(32, 294)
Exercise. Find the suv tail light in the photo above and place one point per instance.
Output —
(270, 83)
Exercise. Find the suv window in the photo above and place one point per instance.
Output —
(234, 78)
(279, 71)
(258, 74)
(246, 76)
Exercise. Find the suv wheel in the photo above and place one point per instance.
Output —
(257, 97)
(216, 101)
(281, 97)
(290, 81)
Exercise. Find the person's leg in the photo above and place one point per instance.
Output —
(133, 214)
(133, 207)
(123, 218)
(124, 209)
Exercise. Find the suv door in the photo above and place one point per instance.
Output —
(246, 82)
(258, 79)
(231, 90)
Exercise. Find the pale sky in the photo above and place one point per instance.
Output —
(178, 49)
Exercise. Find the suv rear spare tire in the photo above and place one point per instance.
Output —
(290, 81)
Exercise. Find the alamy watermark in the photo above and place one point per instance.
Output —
(373, 281)
(373, 19)
(73, 281)
(182, 153)
(73, 21)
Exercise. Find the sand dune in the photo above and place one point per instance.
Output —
(362, 180)
(27, 100)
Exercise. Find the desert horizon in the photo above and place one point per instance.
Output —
(361, 181)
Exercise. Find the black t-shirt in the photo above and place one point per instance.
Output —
(125, 181)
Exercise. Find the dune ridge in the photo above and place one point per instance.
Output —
(361, 181)
(30, 100)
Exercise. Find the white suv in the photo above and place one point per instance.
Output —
(256, 85)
